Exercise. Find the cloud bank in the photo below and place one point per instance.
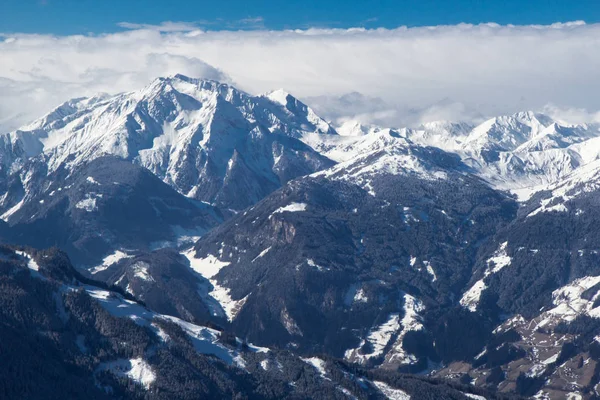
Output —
(395, 77)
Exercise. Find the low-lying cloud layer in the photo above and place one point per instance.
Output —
(392, 77)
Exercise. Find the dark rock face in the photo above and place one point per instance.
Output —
(109, 204)
(164, 280)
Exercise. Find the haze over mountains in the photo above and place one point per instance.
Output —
(466, 253)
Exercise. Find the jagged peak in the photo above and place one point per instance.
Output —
(280, 96)
(352, 128)
(188, 85)
(528, 118)
(445, 126)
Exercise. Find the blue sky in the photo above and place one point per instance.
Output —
(64, 17)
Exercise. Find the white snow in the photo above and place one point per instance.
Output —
(430, 271)
(312, 263)
(230, 306)
(5, 217)
(534, 152)
(499, 260)
(31, 264)
(380, 336)
(164, 336)
(544, 208)
(205, 340)
(390, 392)
(264, 364)
(569, 303)
(91, 179)
(84, 129)
(318, 364)
(208, 268)
(89, 203)
(551, 360)
(289, 324)
(360, 296)
(470, 299)
(137, 369)
(110, 260)
(474, 396)
(411, 321)
(293, 207)
(140, 270)
(380, 154)
(262, 253)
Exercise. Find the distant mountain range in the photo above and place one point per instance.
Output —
(465, 254)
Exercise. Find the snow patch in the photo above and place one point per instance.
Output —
(110, 260)
(12, 210)
(474, 396)
(318, 364)
(380, 337)
(140, 270)
(91, 179)
(262, 253)
(208, 267)
(391, 393)
(569, 303)
(205, 340)
(89, 203)
(31, 264)
(470, 299)
(498, 261)
(293, 207)
(430, 271)
(289, 324)
(137, 369)
(360, 296)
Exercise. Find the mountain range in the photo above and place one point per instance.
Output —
(450, 260)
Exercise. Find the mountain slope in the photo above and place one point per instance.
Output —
(538, 280)
(390, 249)
(206, 139)
(104, 206)
(57, 325)
(522, 153)
(351, 260)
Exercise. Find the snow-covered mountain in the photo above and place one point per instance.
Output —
(523, 153)
(351, 260)
(391, 248)
(208, 140)
(211, 141)
(104, 206)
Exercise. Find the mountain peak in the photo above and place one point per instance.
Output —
(352, 128)
(279, 96)
(185, 130)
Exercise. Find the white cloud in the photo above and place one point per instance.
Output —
(174, 26)
(375, 111)
(167, 26)
(460, 71)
